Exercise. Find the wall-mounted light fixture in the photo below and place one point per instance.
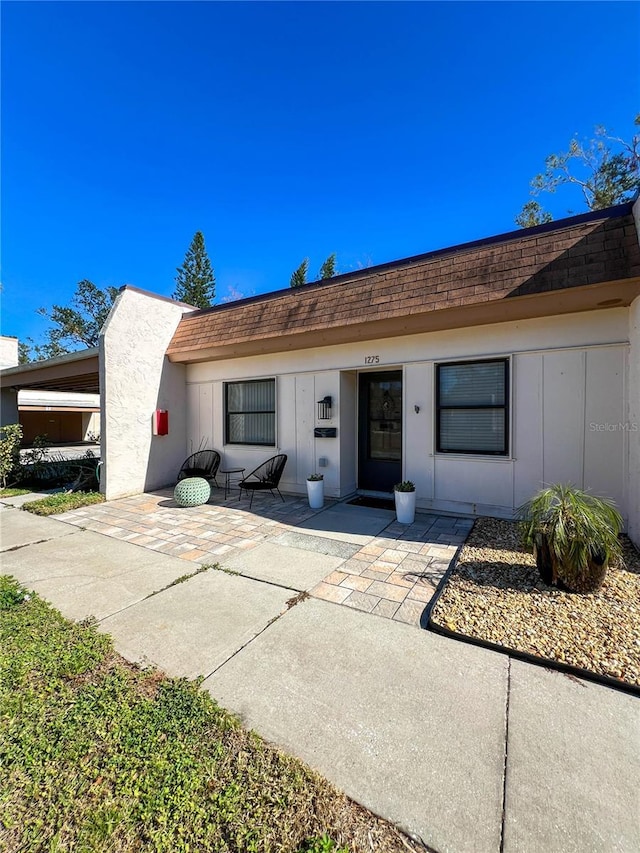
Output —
(324, 409)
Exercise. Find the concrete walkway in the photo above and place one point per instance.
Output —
(465, 748)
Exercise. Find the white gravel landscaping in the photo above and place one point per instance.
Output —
(495, 594)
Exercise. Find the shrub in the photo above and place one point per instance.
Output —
(10, 438)
(574, 536)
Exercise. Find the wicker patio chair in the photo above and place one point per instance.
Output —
(204, 463)
(266, 477)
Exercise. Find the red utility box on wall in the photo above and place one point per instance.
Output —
(161, 422)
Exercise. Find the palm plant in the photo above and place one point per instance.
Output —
(575, 536)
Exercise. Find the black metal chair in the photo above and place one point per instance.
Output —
(266, 477)
(204, 463)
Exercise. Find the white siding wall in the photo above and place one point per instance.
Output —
(605, 451)
(296, 407)
(347, 435)
(417, 451)
(567, 374)
(633, 421)
(527, 395)
(303, 415)
(136, 378)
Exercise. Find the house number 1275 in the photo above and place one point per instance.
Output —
(372, 359)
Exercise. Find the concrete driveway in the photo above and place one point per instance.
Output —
(465, 748)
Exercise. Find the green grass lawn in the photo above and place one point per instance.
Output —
(13, 493)
(62, 502)
(98, 755)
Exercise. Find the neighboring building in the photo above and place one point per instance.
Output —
(63, 417)
(68, 415)
(480, 372)
(8, 351)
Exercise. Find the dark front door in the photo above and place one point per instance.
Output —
(380, 431)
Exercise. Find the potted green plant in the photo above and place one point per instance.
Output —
(404, 494)
(574, 535)
(315, 490)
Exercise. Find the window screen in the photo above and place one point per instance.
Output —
(472, 407)
(250, 409)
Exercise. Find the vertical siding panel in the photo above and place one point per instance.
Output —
(527, 425)
(286, 427)
(418, 427)
(205, 432)
(604, 436)
(193, 418)
(327, 383)
(217, 416)
(305, 420)
(563, 419)
(347, 431)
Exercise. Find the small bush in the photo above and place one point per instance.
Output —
(10, 438)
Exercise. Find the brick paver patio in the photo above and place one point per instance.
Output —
(393, 575)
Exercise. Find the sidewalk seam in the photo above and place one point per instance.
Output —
(37, 542)
(192, 575)
(24, 545)
(506, 755)
(279, 616)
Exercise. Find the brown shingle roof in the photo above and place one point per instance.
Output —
(584, 250)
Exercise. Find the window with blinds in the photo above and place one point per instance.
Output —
(472, 407)
(250, 412)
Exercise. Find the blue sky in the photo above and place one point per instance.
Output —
(284, 130)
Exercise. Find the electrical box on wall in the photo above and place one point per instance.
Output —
(161, 422)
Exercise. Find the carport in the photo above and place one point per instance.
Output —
(74, 372)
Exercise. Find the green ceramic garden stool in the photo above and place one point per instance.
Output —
(192, 491)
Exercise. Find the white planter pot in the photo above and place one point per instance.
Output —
(405, 506)
(315, 493)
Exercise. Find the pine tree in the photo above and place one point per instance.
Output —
(328, 268)
(195, 282)
(24, 353)
(300, 275)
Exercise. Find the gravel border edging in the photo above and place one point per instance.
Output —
(427, 622)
